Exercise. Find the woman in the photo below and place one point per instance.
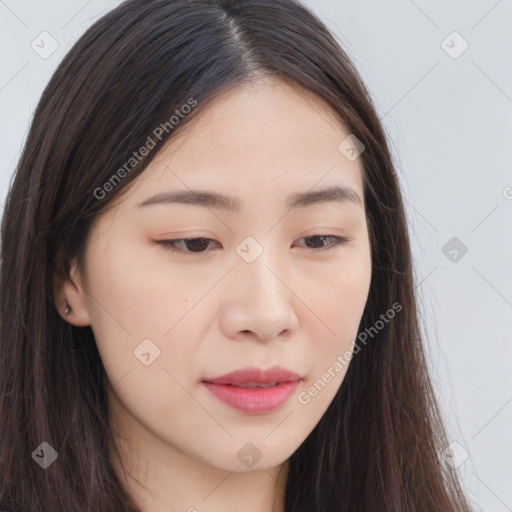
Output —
(206, 285)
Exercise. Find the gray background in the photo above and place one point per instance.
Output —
(449, 123)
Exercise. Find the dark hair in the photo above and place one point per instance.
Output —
(378, 446)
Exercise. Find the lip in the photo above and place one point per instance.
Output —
(227, 388)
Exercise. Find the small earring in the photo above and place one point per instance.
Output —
(67, 310)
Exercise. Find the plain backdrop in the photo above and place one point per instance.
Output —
(440, 76)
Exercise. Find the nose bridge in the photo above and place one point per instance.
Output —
(259, 266)
(262, 301)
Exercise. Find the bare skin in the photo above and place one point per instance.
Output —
(209, 311)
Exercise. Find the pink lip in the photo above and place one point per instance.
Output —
(254, 400)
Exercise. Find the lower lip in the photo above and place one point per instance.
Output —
(253, 400)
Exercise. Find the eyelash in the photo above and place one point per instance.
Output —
(172, 245)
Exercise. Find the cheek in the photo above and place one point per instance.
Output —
(344, 304)
(134, 292)
(338, 297)
(340, 307)
(134, 297)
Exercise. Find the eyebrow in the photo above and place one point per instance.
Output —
(234, 204)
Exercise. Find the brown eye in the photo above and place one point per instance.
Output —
(187, 245)
(201, 245)
(321, 242)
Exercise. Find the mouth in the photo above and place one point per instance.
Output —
(254, 391)
(252, 385)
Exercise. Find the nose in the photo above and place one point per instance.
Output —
(259, 302)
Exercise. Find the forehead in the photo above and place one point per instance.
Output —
(255, 138)
(266, 117)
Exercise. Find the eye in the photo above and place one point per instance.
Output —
(334, 241)
(192, 245)
(200, 245)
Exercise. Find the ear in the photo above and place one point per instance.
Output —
(69, 290)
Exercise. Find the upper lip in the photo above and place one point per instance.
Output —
(256, 375)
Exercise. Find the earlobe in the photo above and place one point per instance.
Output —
(70, 297)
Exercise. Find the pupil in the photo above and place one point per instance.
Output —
(316, 238)
(197, 242)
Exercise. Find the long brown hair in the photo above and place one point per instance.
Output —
(378, 446)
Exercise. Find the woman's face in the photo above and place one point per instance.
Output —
(263, 284)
